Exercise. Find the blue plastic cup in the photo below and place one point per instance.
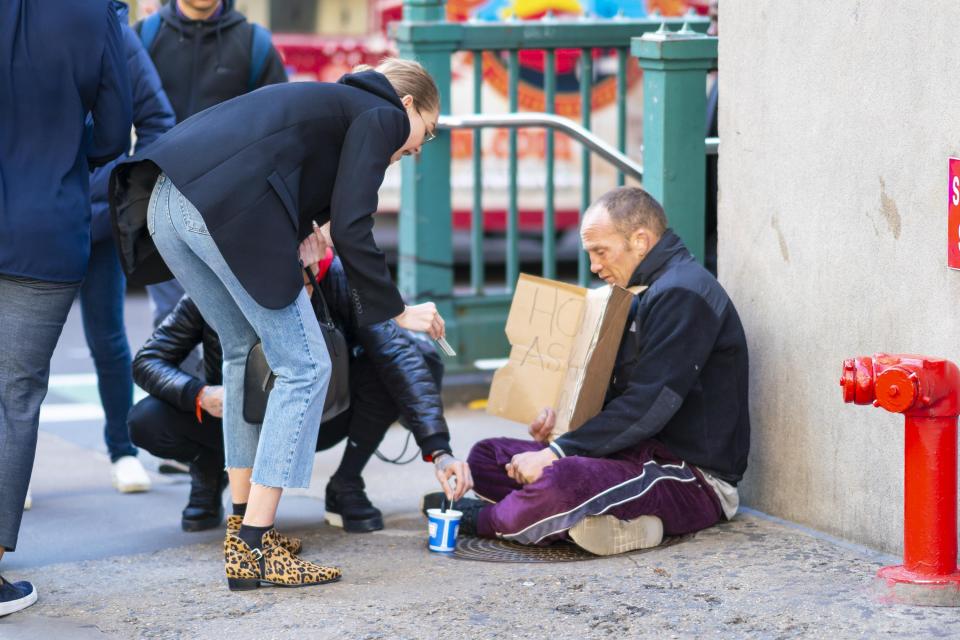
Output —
(442, 527)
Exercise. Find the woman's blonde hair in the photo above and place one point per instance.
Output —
(408, 78)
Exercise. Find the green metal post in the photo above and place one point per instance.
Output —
(586, 109)
(476, 220)
(622, 58)
(425, 247)
(549, 213)
(513, 211)
(675, 66)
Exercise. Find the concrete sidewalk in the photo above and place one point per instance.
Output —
(117, 566)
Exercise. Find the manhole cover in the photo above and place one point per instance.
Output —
(490, 550)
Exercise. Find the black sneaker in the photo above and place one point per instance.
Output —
(205, 507)
(470, 507)
(15, 596)
(349, 508)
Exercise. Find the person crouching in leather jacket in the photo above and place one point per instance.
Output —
(393, 374)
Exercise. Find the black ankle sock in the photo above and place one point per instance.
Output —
(355, 458)
(253, 536)
(240, 509)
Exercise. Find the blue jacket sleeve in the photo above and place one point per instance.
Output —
(113, 110)
(152, 117)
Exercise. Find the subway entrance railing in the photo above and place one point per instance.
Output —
(675, 57)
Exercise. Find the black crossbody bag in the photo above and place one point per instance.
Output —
(258, 378)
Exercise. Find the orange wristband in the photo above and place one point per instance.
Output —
(197, 403)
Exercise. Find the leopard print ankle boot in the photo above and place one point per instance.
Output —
(291, 544)
(248, 568)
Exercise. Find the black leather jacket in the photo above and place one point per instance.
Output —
(402, 360)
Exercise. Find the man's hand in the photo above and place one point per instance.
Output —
(212, 401)
(526, 468)
(447, 466)
(423, 318)
(542, 427)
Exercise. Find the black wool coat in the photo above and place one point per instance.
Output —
(260, 168)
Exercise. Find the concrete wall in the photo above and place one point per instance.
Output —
(836, 121)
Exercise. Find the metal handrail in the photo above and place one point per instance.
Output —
(549, 121)
(559, 123)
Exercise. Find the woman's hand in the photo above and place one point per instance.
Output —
(446, 467)
(423, 318)
(542, 427)
(312, 249)
(212, 400)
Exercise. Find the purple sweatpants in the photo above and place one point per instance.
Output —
(644, 480)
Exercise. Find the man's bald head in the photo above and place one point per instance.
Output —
(630, 209)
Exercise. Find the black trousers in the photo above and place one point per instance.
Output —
(167, 432)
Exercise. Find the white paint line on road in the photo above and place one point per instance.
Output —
(489, 364)
(70, 412)
(73, 379)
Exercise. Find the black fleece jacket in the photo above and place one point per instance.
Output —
(681, 371)
(402, 360)
(205, 62)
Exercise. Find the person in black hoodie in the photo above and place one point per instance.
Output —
(223, 200)
(205, 52)
(665, 453)
(393, 374)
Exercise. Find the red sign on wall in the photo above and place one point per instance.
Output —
(953, 215)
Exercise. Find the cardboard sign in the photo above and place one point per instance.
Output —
(953, 214)
(564, 341)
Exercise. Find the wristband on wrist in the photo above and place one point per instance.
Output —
(437, 455)
(197, 404)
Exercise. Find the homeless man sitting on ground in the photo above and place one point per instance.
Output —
(665, 453)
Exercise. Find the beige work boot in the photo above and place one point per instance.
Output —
(607, 535)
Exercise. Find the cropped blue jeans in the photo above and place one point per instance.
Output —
(281, 451)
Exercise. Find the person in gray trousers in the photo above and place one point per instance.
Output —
(66, 108)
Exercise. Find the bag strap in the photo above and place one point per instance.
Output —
(149, 29)
(318, 295)
(259, 49)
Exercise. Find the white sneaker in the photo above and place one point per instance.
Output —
(607, 535)
(129, 476)
(28, 502)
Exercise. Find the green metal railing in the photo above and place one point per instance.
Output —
(475, 317)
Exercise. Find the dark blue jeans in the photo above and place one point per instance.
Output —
(101, 306)
(32, 314)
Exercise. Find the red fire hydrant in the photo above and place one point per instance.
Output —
(927, 391)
